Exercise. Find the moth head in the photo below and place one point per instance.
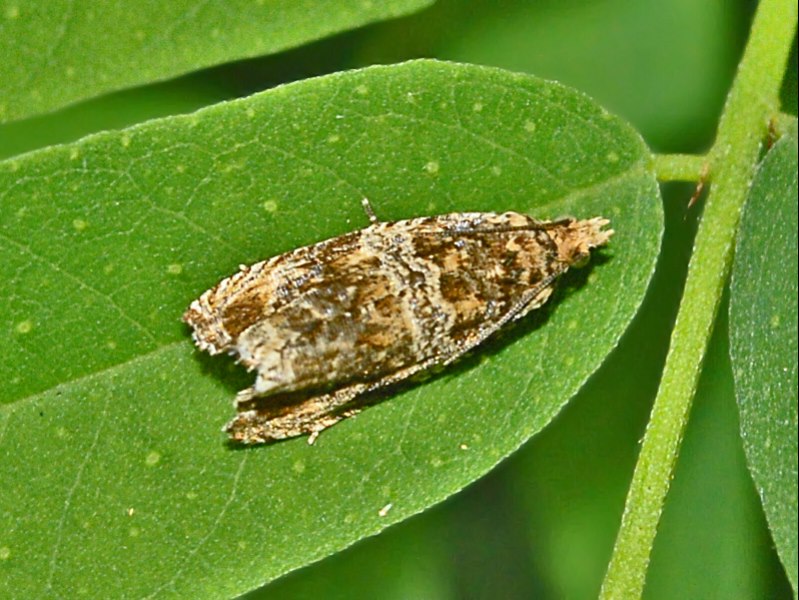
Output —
(576, 239)
(209, 332)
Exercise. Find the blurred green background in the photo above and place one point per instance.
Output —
(542, 524)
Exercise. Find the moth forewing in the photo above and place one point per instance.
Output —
(327, 323)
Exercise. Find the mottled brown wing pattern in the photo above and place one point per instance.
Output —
(326, 323)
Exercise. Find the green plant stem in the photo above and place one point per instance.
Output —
(679, 167)
(752, 101)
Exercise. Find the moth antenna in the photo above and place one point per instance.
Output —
(370, 213)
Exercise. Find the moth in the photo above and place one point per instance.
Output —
(324, 324)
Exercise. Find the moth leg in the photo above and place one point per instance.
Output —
(269, 418)
(244, 396)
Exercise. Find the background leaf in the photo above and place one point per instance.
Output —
(111, 424)
(669, 77)
(113, 111)
(763, 323)
(60, 51)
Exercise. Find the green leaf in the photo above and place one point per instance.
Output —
(111, 424)
(669, 77)
(56, 52)
(763, 328)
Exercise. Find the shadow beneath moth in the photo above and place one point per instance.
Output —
(325, 324)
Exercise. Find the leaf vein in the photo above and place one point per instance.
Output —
(212, 530)
(70, 493)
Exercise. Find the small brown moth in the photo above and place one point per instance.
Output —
(329, 322)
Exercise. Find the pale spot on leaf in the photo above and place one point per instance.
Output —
(432, 167)
(152, 459)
